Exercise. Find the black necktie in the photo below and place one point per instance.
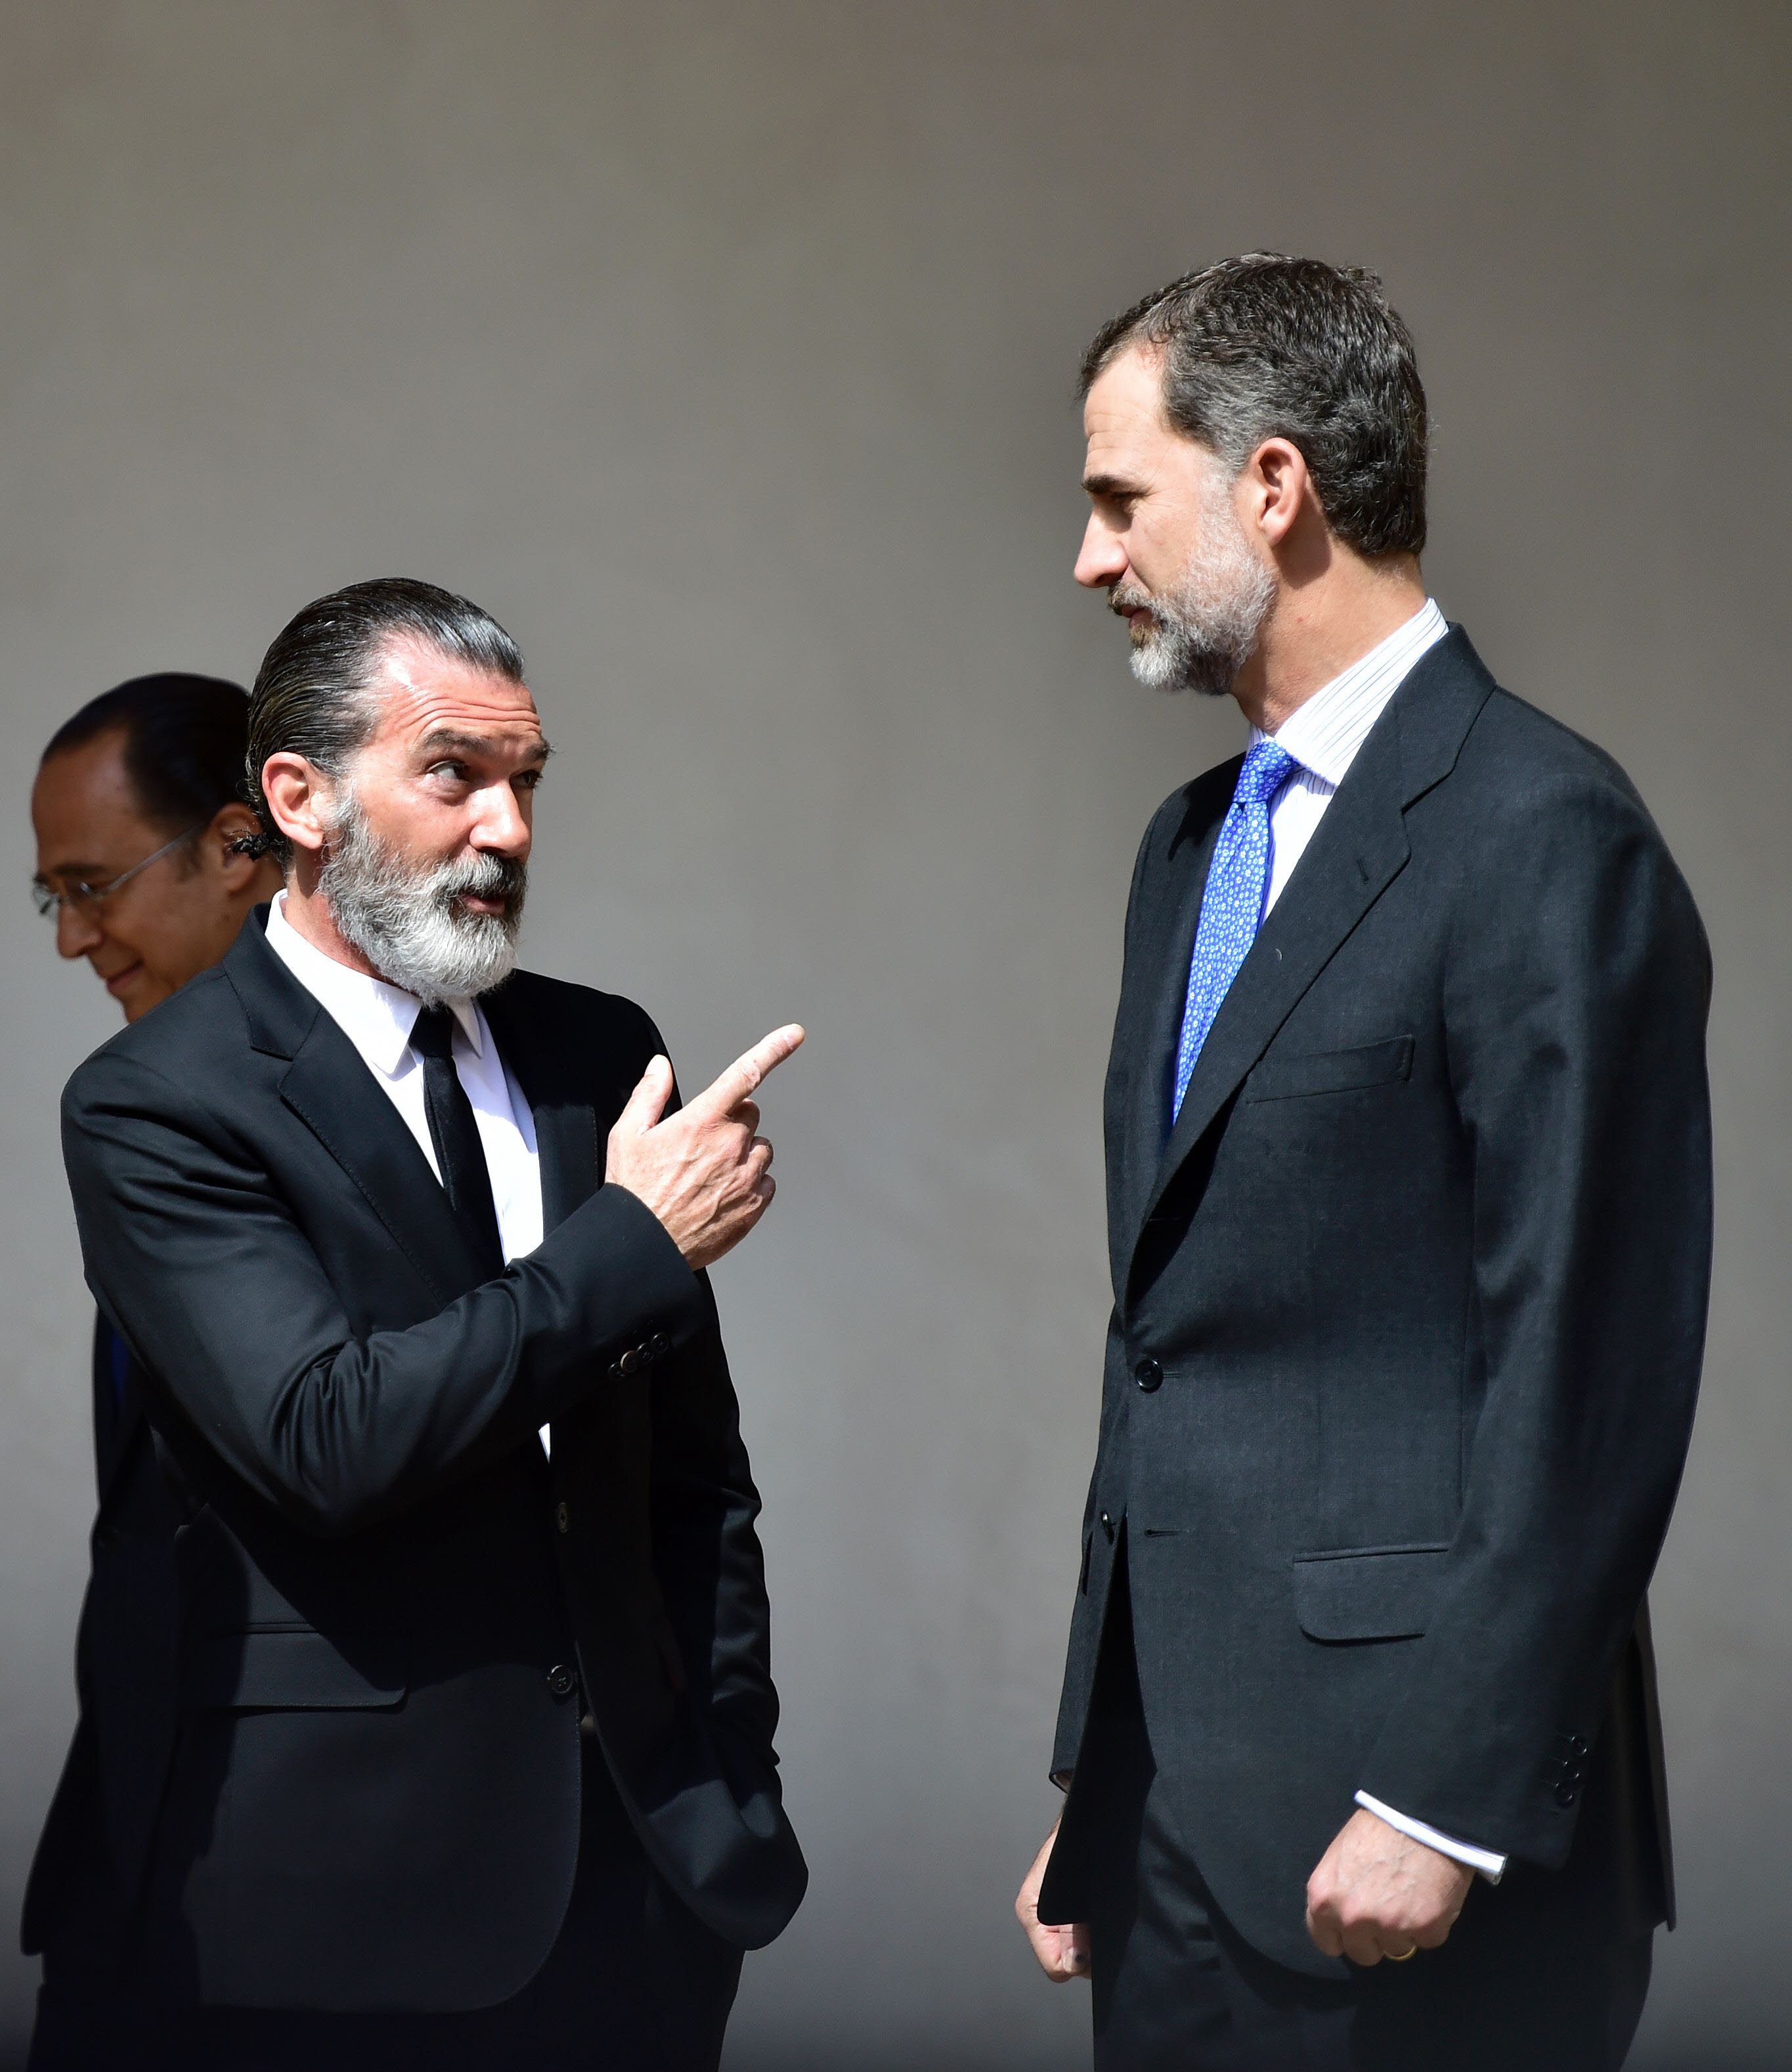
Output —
(455, 1135)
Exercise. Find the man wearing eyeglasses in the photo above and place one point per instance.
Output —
(137, 804)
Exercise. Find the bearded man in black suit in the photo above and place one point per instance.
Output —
(1410, 1209)
(474, 1759)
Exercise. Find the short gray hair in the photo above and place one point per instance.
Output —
(312, 696)
(1266, 346)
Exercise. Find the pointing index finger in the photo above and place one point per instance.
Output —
(749, 1071)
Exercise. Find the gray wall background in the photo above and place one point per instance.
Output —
(725, 351)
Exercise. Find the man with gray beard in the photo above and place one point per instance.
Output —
(475, 1765)
(1409, 1223)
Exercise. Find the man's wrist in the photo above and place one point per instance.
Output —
(1489, 1862)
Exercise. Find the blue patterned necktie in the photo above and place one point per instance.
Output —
(1231, 907)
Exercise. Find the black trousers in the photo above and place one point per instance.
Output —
(635, 1982)
(1545, 1972)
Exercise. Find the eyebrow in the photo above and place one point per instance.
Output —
(477, 744)
(88, 872)
(1114, 486)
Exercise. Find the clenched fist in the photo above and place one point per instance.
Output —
(1378, 1893)
(705, 1172)
(1063, 1953)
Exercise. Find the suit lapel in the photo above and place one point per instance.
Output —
(332, 1092)
(1356, 853)
(1154, 993)
(560, 1099)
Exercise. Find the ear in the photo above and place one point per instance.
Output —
(228, 825)
(297, 794)
(1276, 489)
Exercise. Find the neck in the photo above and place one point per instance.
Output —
(1321, 624)
(308, 914)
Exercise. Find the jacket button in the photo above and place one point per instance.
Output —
(563, 1518)
(1566, 1792)
(1577, 1745)
(1148, 1375)
(662, 1345)
(562, 1680)
(630, 1363)
(1107, 1527)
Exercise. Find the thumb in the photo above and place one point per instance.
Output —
(647, 1103)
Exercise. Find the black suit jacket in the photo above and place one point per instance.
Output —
(393, 1608)
(1409, 1309)
(90, 1862)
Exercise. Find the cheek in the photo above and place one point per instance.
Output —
(1154, 560)
(169, 945)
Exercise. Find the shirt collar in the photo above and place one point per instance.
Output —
(1324, 735)
(376, 1017)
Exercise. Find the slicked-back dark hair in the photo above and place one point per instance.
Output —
(183, 738)
(1266, 346)
(314, 695)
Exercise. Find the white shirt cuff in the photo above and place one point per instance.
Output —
(1490, 1866)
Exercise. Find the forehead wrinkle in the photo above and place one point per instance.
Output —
(470, 706)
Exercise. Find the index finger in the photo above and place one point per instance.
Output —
(749, 1071)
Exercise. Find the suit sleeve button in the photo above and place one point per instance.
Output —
(1148, 1375)
(1108, 1527)
(1566, 1792)
(562, 1680)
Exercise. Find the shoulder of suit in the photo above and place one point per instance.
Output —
(609, 1014)
(1525, 742)
(194, 1032)
(1533, 795)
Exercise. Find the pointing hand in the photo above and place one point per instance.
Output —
(704, 1171)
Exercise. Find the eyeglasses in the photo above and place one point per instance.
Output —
(88, 899)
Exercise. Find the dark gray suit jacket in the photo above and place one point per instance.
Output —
(1409, 1311)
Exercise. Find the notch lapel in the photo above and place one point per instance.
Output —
(559, 1096)
(1358, 850)
(332, 1092)
(1154, 993)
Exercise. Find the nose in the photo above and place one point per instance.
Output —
(1102, 561)
(503, 827)
(77, 936)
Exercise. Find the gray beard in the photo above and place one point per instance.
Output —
(407, 923)
(1205, 630)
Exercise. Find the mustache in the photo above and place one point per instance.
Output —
(1124, 598)
(486, 876)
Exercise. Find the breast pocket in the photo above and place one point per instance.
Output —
(285, 1669)
(1386, 1063)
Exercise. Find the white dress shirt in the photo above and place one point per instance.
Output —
(1323, 736)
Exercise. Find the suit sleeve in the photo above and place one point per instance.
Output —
(199, 1261)
(1576, 1000)
(705, 1508)
(706, 1545)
